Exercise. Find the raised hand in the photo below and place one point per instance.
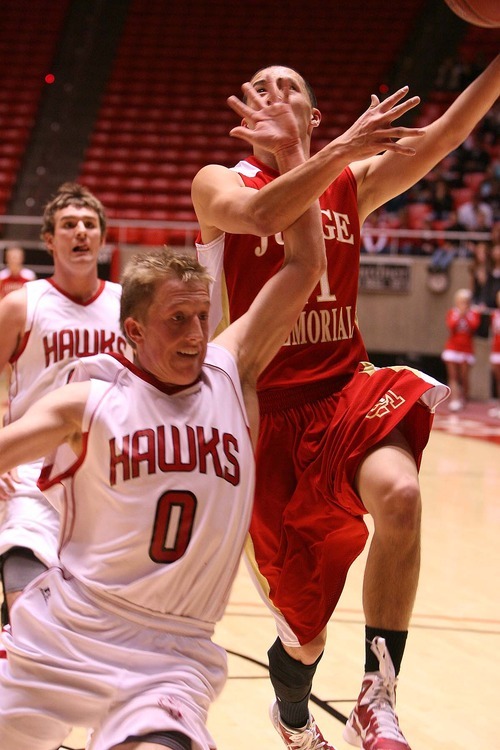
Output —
(270, 123)
(373, 132)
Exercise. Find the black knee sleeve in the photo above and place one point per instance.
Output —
(19, 566)
(172, 740)
(292, 680)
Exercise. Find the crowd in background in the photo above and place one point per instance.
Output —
(461, 194)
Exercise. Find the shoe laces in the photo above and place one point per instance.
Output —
(308, 738)
(381, 695)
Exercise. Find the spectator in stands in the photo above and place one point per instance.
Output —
(15, 274)
(475, 214)
(378, 243)
(421, 192)
(479, 269)
(489, 188)
(492, 283)
(462, 321)
(451, 224)
(448, 170)
(441, 199)
(490, 129)
(453, 74)
(472, 155)
(442, 257)
(425, 243)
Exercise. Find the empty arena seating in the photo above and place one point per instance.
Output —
(164, 111)
(27, 53)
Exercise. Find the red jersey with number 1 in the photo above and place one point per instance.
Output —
(326, 342)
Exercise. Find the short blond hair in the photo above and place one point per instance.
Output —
(463, 295)
(145, 271)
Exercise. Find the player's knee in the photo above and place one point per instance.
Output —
(399, 509)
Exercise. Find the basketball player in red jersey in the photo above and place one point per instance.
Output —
(338, 438)
(155, 483)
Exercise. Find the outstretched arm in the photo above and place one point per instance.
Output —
(51, 421)
(223, 203)
(256, 336)
(386, 176)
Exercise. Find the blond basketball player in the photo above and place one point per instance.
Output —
(153, 474)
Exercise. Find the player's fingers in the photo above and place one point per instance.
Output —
(251, 95)
(238, 106)
(393, 99)
(406, 132)
(285, 89)
(400, 109)
(401, 147)
(273, 92)
(241, 132)
(6, 488)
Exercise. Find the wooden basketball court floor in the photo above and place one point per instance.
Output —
(447, 693)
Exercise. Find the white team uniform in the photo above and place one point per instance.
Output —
(154, 517)
(58, 331)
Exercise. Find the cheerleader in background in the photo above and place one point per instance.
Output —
(462, 321)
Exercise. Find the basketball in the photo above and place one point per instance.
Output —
(484, 13)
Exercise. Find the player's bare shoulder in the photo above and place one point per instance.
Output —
(13, 314)
(213, 177)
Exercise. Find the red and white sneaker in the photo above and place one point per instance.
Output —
(373, 724)
(306, 738)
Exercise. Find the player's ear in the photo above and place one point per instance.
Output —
(315, 117)
(133, 330)
(48, 238)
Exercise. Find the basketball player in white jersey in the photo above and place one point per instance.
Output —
(152, 471)
(45, 327)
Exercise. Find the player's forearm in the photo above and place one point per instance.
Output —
(284, 200)
(54, 419)
(282, 299)
(19, 444)
(470, 106)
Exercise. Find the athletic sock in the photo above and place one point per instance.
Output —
(292, 683)
(395, 640)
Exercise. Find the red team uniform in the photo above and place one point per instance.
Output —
(322, 407)
(9, 282)
(459, 346)
(495, 343)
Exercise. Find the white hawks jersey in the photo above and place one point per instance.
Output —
(156, 510)
(58, 331)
